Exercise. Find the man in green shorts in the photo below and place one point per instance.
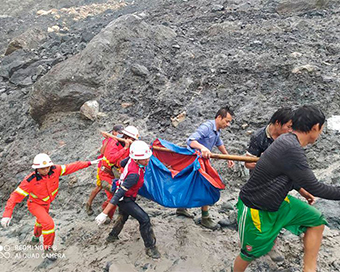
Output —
(264, 206)
(279, 123)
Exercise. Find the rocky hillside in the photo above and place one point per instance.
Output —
(165, 67)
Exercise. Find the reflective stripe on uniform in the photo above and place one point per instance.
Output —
(63, 169)
(33, 195)
(255, 216)
(99, 182)
(21, 191)
(37, 224)
(44, 232)
(107, 161)
(46, 198)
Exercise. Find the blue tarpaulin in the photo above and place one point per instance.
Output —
(180, 179)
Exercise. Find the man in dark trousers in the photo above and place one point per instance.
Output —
(264, 206)
(131, 180)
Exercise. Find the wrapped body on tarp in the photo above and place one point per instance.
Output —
(180, 179)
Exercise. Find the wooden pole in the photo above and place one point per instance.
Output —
(109, 135)
(213, 155)
(218, 156)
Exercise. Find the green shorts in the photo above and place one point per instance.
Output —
(259, 229)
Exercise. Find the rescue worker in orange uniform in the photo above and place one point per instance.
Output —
(116, 131)
(114, 153)
(131, 180)
(41, 187)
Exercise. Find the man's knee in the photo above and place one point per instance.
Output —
(144, 220)
(46, 222)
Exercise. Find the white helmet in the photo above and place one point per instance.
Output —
(41, 160)
(131, 131)
(139, 150)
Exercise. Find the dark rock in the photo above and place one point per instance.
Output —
(216, 8)
(87, 36)
(226, 206)
(27, 76)
(17, 60)
(9, 140)
(230, 222)
(30, 39)
(288, 6)
(74, 81)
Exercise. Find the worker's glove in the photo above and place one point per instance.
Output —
(101, 218)
(5, 222)
(95, 161)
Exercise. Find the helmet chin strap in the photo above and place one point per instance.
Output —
(139, 165)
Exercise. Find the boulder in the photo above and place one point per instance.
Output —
(90, 109)
(105, 60)
(20, 59)
(27, 76)
(290, 6)
(31, 39)
(139, 70)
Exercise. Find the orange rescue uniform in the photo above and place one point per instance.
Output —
(114, 153)
(42, 190)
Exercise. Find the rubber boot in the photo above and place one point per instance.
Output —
(51, 255)
(88, 208)
(111, 238)
(153, 252)
(208, 223)
(184, 212)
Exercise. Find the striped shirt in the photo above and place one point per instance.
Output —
(280, 169)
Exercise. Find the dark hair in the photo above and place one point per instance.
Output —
(281, 116)
(306, 117)
(223, 112)
(118, 128)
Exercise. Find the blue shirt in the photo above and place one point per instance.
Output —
(207, 135)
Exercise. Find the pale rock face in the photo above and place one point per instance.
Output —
(333, 122)
(90, 109)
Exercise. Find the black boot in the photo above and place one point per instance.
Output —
(111, 238)
(51, 255)
(153, 252)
